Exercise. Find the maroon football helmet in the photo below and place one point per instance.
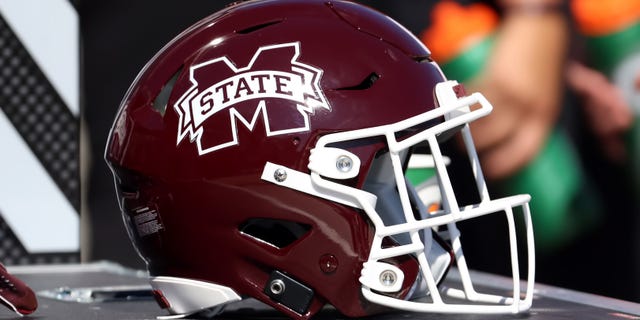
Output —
(262, 154)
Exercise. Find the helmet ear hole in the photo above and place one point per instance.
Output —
(277, 233)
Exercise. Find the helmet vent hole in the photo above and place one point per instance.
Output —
(366, 83)
(162, 99)
(422, 59)
(277, 233)
(258, 27)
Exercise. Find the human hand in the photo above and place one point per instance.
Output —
(607, 113)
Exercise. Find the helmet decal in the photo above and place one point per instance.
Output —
(146, 220)
(274, 72)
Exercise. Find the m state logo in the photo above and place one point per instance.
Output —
(242, 95)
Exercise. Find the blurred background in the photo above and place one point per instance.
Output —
(564, 80)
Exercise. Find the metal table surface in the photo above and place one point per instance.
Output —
(83, 291)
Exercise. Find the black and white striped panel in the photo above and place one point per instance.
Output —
(39, 132)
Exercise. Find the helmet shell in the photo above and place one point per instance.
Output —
(194, 132)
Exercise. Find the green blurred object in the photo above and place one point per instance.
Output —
(563, 204)
(616, 54)
(607, 52)
(470, 63)
(418, 175)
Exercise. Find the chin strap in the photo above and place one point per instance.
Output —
(15, 294)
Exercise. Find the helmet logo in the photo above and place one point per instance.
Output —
(241, 95)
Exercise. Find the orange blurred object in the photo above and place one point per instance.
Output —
(455, 28)
(600, 17)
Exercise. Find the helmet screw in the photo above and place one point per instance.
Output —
(328, 263)
(344, 164)
(280, 175)
(388, 278)
(277, 286)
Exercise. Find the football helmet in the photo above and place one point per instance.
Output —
(262, 154)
